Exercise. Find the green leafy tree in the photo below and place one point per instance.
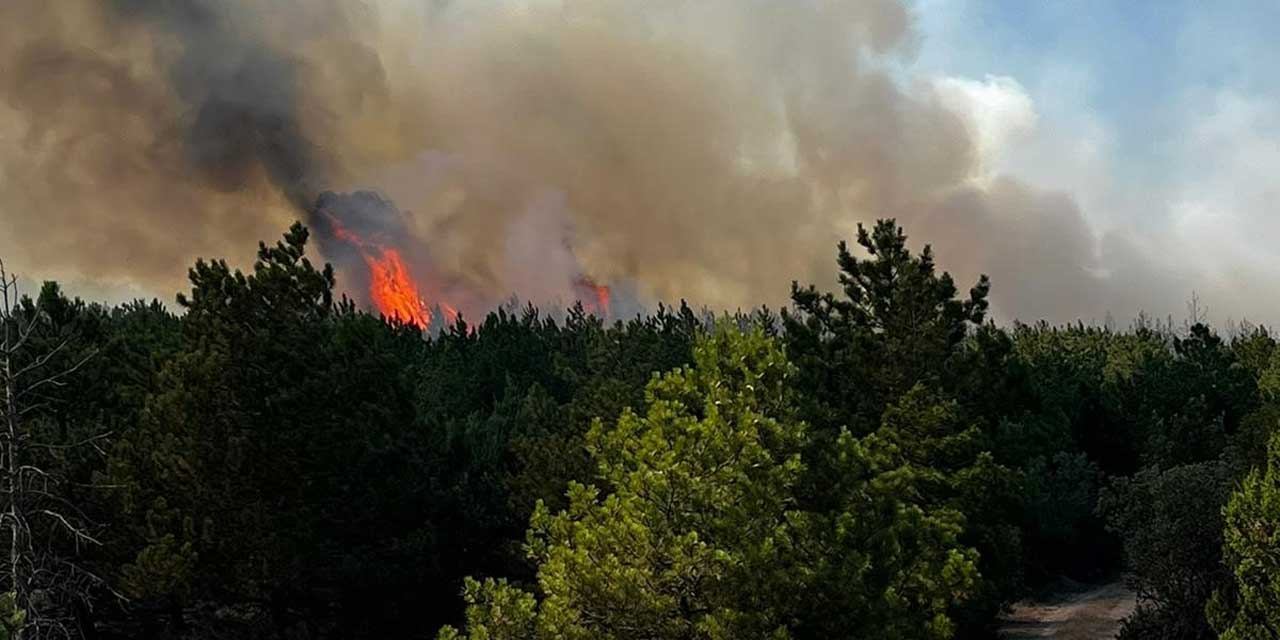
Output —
(899, 339)
(1065, 439)
(702, 535)
(1080, 378)
(899, 323)
(956, 470)
(214, 474)
(1060, 531)
(1249, 606)
(1171, 524)
(1199, 402)
(12, 617)
(1253, 347)
(508, 406)
(1257, 427)
(273, 470)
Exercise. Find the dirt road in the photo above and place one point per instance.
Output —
(1090, 614)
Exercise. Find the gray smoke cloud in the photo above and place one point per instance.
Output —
(710, 150)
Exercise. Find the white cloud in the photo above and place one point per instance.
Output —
(1052, 140)
(999, 114)
(1223, 201)
(1174, 168)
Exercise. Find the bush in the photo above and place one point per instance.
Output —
(1171, 524)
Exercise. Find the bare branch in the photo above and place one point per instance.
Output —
(41, 361)
(32, 408)
(25, 333)
(40, 569)
(28, 467)
(55, 379)
(74, 445)
(78, 532)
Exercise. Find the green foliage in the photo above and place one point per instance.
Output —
(703, 536)
(902, 355)
(282, 464)
(1251, 442)
(164, 568)
(1122, 402)
(1080, 379)
(1059, 527)
(237, 480)
(1269, 379)
(322, 471)
(83, 390)
(1171, 524)
(956, 471)
(1249, 606)
(1253, 347)
(898, 324)
(12, 617)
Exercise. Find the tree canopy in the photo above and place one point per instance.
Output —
(881, 461)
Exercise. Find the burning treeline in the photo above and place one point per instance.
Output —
(710, 150)
(362, 229)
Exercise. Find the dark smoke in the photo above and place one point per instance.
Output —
(151, 132)
(240, 97)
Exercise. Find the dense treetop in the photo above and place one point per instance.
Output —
(879, 461)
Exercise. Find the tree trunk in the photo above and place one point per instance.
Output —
(9, 465)
(84, 621)
(177, 618)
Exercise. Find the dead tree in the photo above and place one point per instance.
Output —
(43, 530)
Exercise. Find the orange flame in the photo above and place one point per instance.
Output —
(450, 313)
(398, 296)
(393, 290)
(600, 305)
(391, 286)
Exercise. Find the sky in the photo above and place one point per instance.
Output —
(1160, 118)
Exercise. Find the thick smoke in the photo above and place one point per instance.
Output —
(147, 133)
(241, 99)
(712, 150)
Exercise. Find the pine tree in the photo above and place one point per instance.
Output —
(702, 535)
(1250, 608)
(899, 323)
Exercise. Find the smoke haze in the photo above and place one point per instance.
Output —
(710, 150)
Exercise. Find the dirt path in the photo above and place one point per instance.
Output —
(1094, 613)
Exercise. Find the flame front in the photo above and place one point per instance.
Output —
(393, 290)
(396, 287)
(598, 303)
(450, 313)
(602, 300)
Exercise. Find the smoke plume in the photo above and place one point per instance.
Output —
(711, 150)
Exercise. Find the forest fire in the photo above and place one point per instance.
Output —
(393, 290)
(366, 237)
(596, 298)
